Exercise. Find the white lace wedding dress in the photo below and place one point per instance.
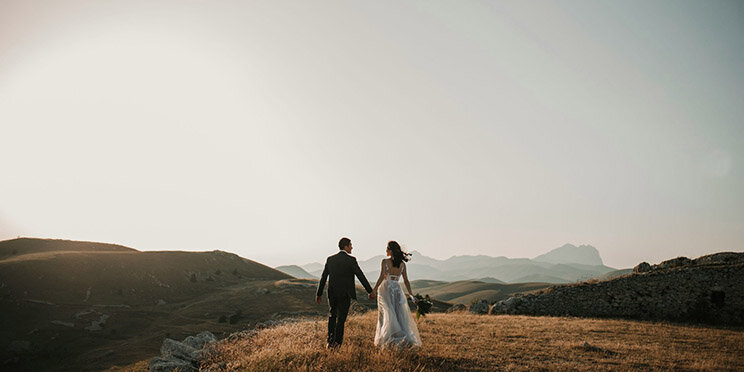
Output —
(395, 323)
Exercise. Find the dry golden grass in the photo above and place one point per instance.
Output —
(486, 343)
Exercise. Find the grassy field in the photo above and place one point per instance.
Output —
(468, 342)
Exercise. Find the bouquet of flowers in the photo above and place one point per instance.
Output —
(423, 305)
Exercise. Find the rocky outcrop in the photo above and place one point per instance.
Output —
(709, 289)
(479, 307)
(182, 356)
(642, 267)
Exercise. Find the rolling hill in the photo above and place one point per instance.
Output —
(465, 291)
(295, 271)
(25, 246)
(89, 306)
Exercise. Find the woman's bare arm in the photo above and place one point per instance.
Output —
(379, 279)
(405, 279)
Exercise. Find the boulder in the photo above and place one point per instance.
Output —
(457, 307)
(480, 307)
(642, 267)
(200, 340)
(181, 355)
(179, 350)
(168, 364)
(508, 306)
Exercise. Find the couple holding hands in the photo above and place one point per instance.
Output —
(395, 323)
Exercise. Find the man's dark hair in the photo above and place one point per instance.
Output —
(343, 243)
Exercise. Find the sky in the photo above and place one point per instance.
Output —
(273, 128)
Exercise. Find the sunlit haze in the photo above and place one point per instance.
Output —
(273, 128)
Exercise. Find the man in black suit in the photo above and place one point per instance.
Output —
(341, 267)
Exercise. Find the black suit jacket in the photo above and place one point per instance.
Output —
(342, 267)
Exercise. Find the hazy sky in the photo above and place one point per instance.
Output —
(272, 128)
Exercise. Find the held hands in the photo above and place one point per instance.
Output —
(317, 300)
(372, 295)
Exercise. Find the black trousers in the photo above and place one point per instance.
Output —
(337, 317)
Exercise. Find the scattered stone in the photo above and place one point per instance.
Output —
(161, 302)
(97, 325)
(66, 324)
(457, 307)
(182, 355)
(83, 313)
(38, 301)
(159, 364)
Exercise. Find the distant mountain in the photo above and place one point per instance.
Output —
(565, 264)
(296, 272)
(569, 253)
(313, 267)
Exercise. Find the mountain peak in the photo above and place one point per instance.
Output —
(569, 253)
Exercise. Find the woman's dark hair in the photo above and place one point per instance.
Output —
(398, 254)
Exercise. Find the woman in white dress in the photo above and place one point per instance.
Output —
(395, 324)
